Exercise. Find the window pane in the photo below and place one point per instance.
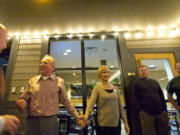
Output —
(160, 70)
(73, 81)
(67, 54)
(98, 52)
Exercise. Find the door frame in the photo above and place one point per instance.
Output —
(169, 56)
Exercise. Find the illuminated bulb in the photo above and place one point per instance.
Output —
(56, 36)
(80, 36)
(173, 33)
(17, 34)
(36, 34)
(68, 50)
(116, 34)
(10, 35)
(150, 33)
(26, 35)
(91, 36)
(138, 35)
(65, 53)
(45, 33)
(74, 74)
(111, 66)
(127, 35)
(162, 30)
(56, 31)
(69, 36)
(116, 29)
(103, 37)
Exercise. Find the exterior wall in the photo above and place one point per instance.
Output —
(29, 52)
(27, 60)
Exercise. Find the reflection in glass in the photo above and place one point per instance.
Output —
(160, 70)
(67, 54)
(73, 81)
(101, 52)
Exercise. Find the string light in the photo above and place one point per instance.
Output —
(103, 37)
(127, 35)
(138, 34)
(163, 31)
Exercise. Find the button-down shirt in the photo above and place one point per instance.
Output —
(43, 96)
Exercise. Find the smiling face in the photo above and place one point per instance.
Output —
(143, 72)
(103, 73)
(46, 66)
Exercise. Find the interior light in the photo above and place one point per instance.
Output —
(17, 34)
(74, 74)
(68, 50)
(111, 66)
(56, 36)
(162, 30)
(73, 67)
(103, 37)
(80, 36)
(36, 34)
(116, 29)
(116, 34)
(10, 35)
(26, 35)
(65, 53)
(127, 35)
(69, 36)
(138, 35)
(91, 36)
(173, 33)
(45, 33)
(151, 66)
(56, 31)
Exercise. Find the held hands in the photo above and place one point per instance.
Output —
(11, 124)
(20, 104)
(81, 121)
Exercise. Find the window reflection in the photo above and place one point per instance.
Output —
(67, 54)
(99, 52)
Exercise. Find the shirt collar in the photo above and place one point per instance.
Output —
(50, 77)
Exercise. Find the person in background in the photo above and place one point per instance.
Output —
(8, 123)
(174, 87)
(149, 102)
(109, 106)
(42, 96)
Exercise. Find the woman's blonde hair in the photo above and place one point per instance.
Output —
(101, 69)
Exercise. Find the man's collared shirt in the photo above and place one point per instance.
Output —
(43, 96)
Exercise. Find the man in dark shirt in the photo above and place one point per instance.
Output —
(174, 87)
(149, 101)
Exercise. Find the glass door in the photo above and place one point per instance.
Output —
(77, 61)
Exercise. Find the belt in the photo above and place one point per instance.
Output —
(36, 117)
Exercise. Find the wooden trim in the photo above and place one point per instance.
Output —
(169, 56)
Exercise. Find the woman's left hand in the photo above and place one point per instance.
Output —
(127, 129)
